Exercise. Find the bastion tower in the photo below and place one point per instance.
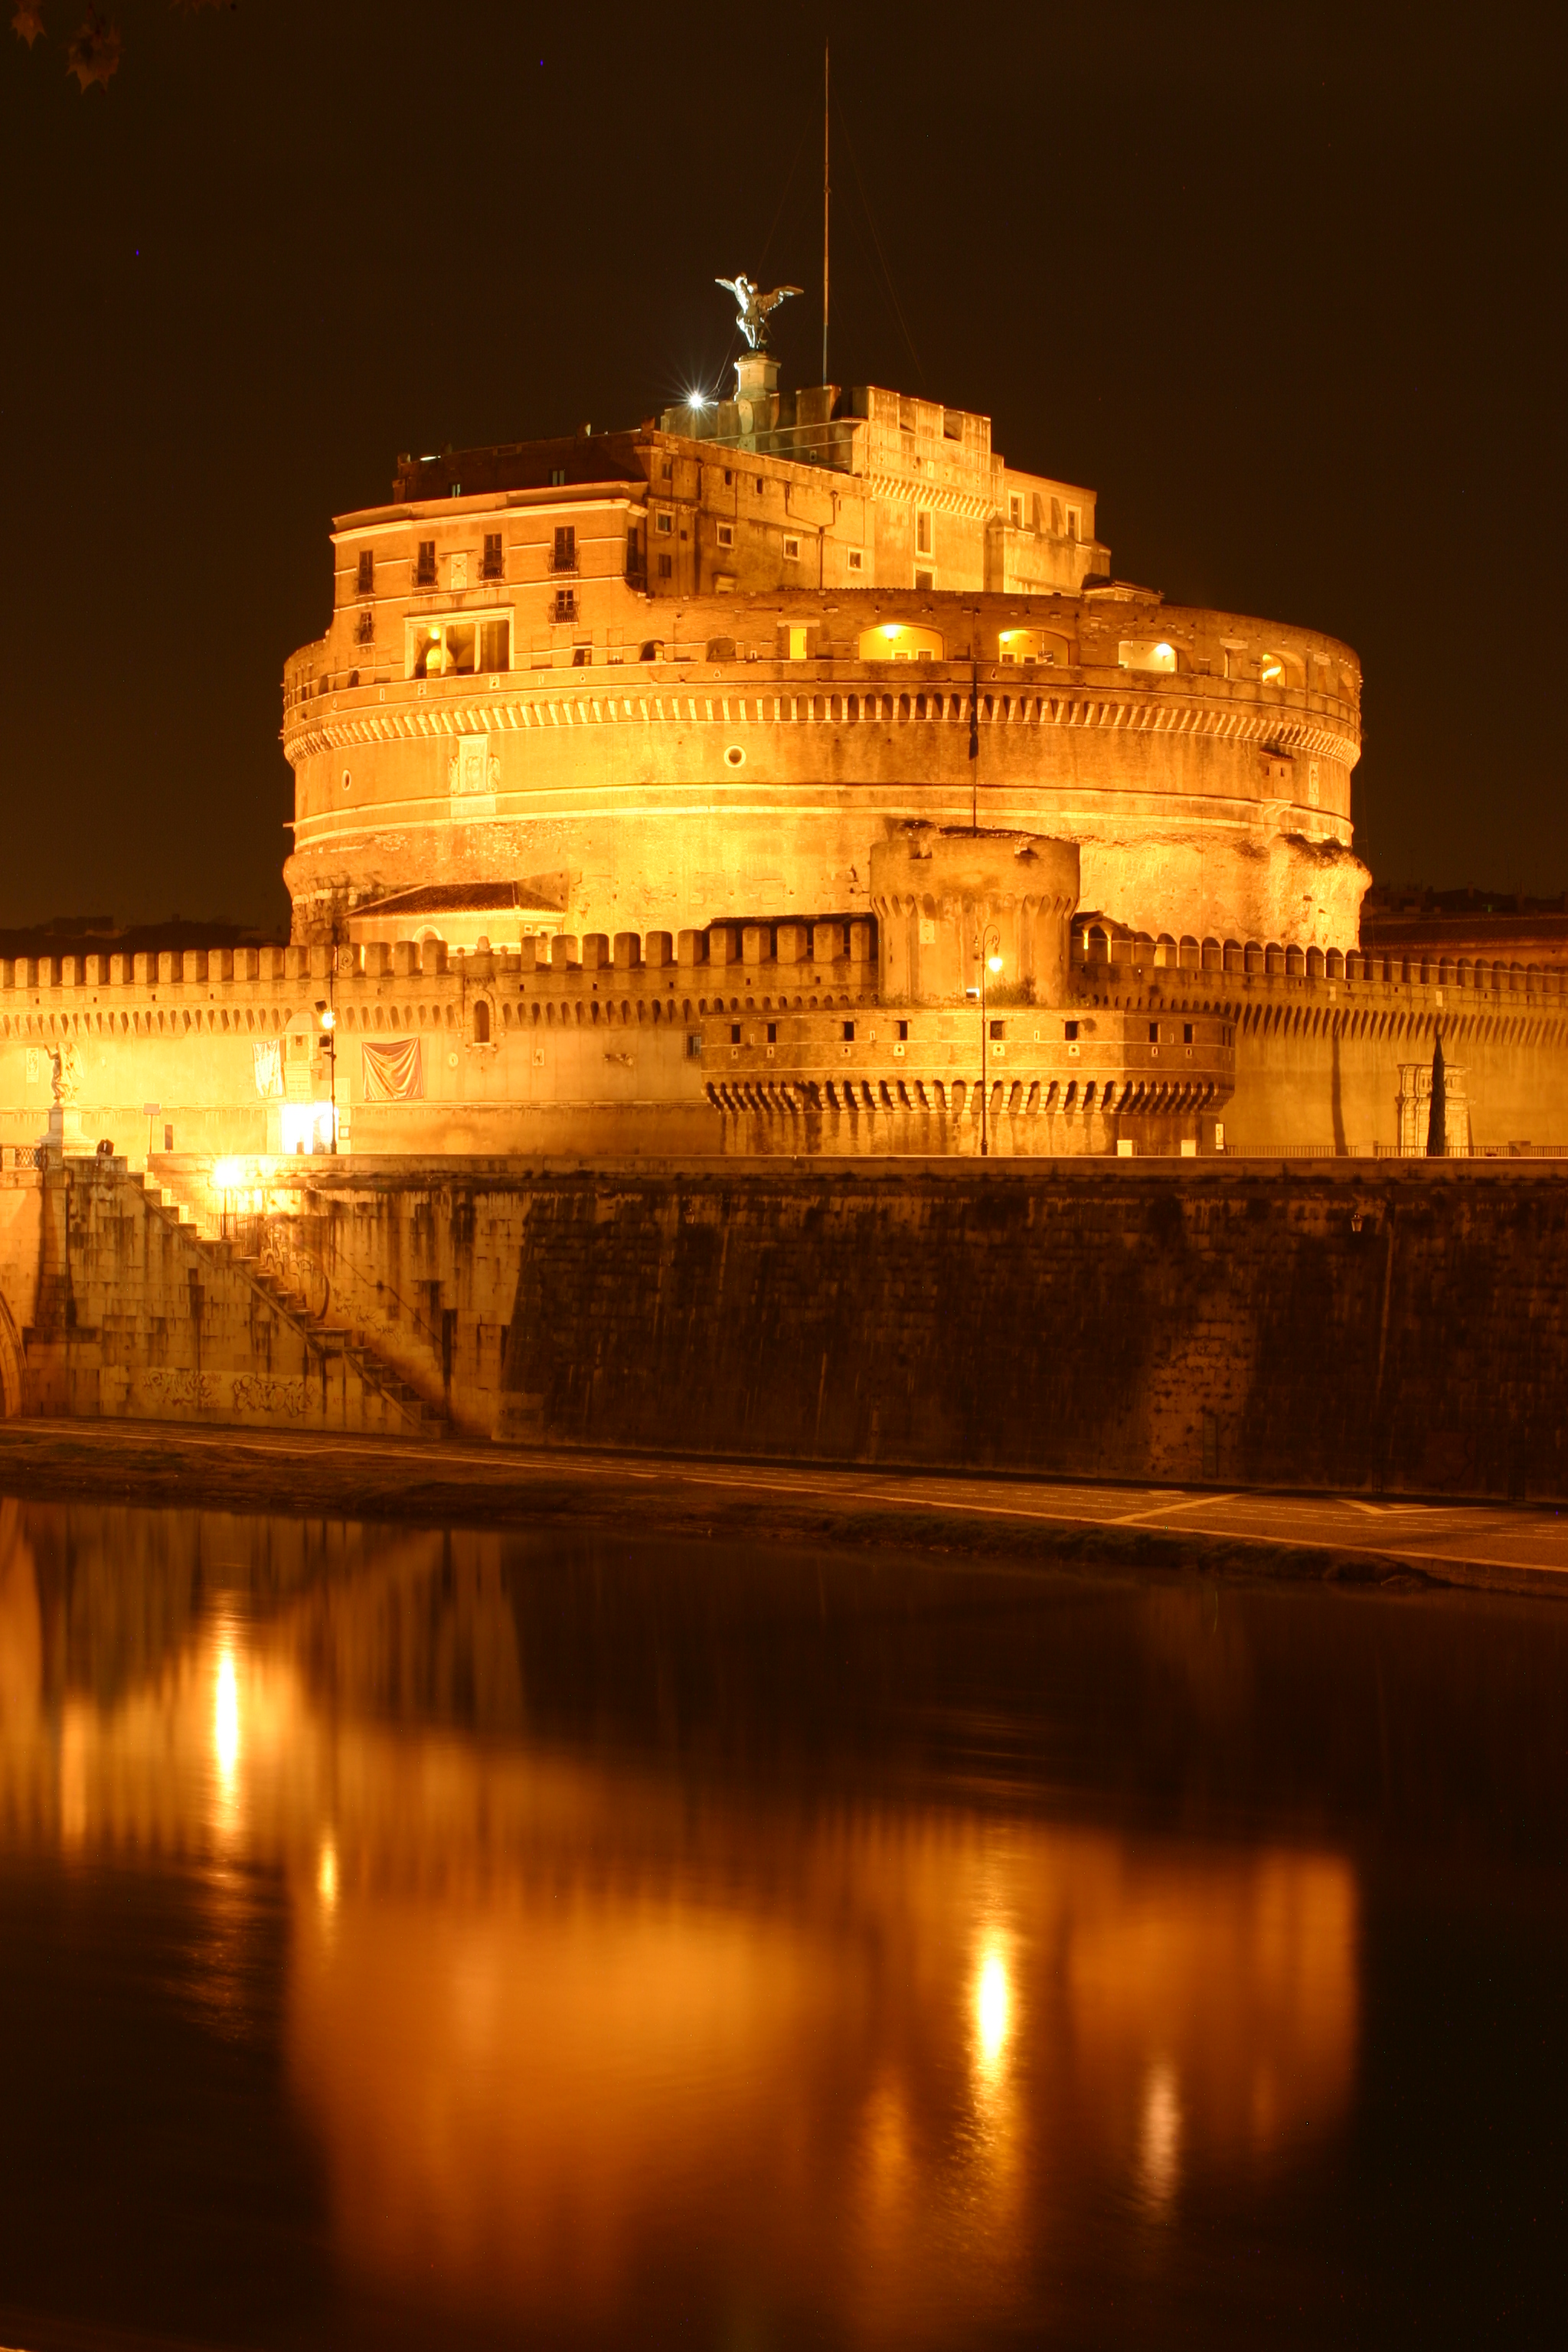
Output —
(699, 671)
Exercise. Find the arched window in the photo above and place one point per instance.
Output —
(900, 641)
(1030, 645)
(481, 1021)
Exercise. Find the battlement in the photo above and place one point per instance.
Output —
(1105, 955)
(36, 991)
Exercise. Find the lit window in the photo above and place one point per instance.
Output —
(442, 649)
(557, 478)
(900, 641)
(457, 648)
(792, 550)
(1146, 653)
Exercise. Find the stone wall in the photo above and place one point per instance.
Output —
(127, 1312)
(1398, 1324)
(596, 1048)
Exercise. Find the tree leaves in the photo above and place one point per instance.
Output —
(94, 53)
(96, 47)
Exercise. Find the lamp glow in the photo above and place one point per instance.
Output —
(994, 963)
(228, 1175)
(226, 1716)
(992, 2007)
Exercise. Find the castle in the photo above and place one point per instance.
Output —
(787, 775)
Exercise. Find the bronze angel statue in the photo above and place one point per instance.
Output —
(754, 307)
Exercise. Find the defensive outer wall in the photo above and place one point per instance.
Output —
(1393, 1326)
(628, 1046)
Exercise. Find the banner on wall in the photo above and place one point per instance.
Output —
(393, 1073)
(267, 1053)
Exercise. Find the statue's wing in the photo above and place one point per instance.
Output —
(780, 294)
(732, 287)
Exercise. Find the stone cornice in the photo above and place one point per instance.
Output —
(897, 489)
(1118, 707)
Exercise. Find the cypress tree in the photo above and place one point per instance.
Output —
(1437, 1118)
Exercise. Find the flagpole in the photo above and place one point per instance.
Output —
(824, 193)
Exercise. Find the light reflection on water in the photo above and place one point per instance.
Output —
(581, 2018)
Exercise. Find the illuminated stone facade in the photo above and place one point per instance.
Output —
(790, 778)
(696, 673)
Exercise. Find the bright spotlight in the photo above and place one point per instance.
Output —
(228, 1175)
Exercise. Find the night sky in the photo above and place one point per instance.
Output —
(1284, 284)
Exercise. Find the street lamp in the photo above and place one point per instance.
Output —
(990, 961)
(329, 1021)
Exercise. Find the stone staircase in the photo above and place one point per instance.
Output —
(385, 1400)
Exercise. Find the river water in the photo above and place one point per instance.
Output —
(429, 1938)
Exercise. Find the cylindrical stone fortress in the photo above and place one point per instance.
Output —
(527, 717)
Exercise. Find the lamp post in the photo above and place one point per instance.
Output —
(329, 1021)
(990, 961)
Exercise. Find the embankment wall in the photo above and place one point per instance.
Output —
(122, 1311)
(1375, 1324)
